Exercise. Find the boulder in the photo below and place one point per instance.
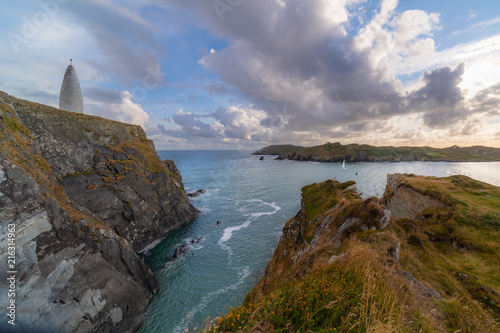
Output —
(196, 194)
(180, 251)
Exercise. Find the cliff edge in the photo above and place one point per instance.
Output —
(79, 196)
(425, 257)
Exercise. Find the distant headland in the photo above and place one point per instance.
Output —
(336, 152)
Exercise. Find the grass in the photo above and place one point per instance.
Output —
(318, 198)
(351, 296)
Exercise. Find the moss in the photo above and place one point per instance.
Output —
(347, 184)
(318, 198)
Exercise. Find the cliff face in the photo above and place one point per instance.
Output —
(422, 258)
(83, 195)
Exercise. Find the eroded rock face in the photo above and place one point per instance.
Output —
(405, 202)
(84, 194)
(68, 280)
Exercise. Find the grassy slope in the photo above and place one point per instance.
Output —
(353, 152)
(278, 150)
(314, 283)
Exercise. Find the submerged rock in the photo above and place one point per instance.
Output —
(180, 250)
(196, 240)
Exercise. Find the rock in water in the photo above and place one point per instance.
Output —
(83, 195)
(197, 193)
(180, 250)
(70, 97)
(261, 158)
(196, 240)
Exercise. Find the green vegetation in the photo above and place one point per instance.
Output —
(278, 150)
(318, 198)
(351, 296)
(436, 272)
(335, 152)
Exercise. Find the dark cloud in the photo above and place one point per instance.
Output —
(441, 88)
(487, 100)
(441, 98)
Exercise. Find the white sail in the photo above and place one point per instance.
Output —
(343, 165)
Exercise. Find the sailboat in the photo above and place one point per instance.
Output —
(343, 165)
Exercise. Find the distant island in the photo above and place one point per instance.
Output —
(336, 152)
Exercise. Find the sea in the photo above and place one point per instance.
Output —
(253, 199)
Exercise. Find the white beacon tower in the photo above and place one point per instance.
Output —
(70, 98)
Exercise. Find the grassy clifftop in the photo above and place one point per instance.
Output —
(424, 258)
(335, 152)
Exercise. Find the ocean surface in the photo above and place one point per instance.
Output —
(253, 199)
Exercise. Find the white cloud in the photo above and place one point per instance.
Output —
(124, 110)
(478, 26)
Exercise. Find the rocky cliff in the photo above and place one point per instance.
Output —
(79, 196)
(425, 257)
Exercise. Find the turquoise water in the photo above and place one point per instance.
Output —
(253, 199)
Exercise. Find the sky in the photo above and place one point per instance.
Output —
(244, 74)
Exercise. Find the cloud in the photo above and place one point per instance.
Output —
(105, 104)
(441, 98)
(193, 126)
(308, 65)
(242, 123)
(125, 40)
(478, 26)
(487, 101)
(333, 80)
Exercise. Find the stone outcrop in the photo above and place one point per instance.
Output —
(84, 194)
(405, 202)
